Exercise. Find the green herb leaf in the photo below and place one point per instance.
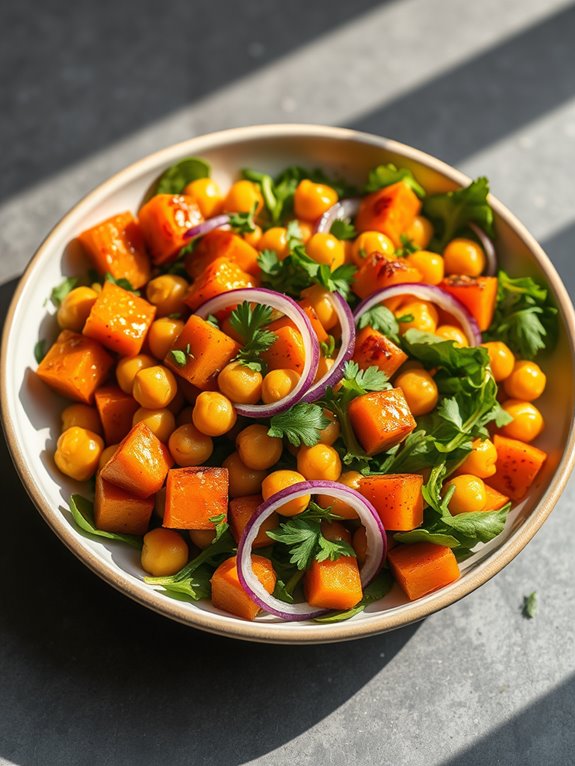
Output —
(453, 211)
(220, 525)
(82, 511)
(175, 179)
(122, 282)
(333, 549)
(301, 424)
(301, 537)
(386, 175)
(529, 607)
(327, 347)
(243, 223)
(423, 535)
(343, 230)
(213, 320)
(377, 589)
(61, 291)
(181, 356)
(380, 318)
(40, 350)
(249, 322)
(408, 247)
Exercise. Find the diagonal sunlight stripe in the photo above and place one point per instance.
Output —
(337, 77)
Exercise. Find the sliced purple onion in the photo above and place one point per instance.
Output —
(431, 293)
(205, 227)
(345, 352)
(375, 533)
(346, 208)
(298, 316)
(488, 249)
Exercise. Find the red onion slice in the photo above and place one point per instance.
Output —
(205, 227)
(376, 544)
(346, 208)
(298, 316)
(431, 293)
(345, 352)
(488, 249)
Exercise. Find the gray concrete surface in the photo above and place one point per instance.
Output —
(90, 678)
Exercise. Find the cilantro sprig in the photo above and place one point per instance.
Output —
(383, 320)
(249, 322)
(243, 223)
(301, 424)
(386, 175)
(453, 211)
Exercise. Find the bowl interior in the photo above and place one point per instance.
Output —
(31, 411)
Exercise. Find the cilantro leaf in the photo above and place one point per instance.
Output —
(386, 175)
(61, 291)
(301, 424)
(243, 223)
(220, 525)
(343, 230)
(377, 589)
(380, 318)
(175, 179)
(333, 549)
(82, 511)
(529, 607)
(249, 322)
(453, 211)
(360, 382)
(181, 356)
(40, 350)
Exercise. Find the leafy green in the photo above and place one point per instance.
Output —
(61, 291)
(383, 320)
(181, 356)
(453, 211)
(175, 179)
(343, 230)
(386, 175)
(248, 321)
(122, 282)
(220, 525)
(378, 588)
(301, 424)
(82, 511)
(327, 347)
(529, 607)
(243, 223)
(408, 247)
(524, 319)
(40, 349)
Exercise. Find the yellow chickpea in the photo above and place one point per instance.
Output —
(321, 302)
(207, 195)
(311, 200)
(305, 231)
(161, 422)
(242, 197)
(330, 433)
(75, 307)
(469, 495)
(527, 421)
(419, 389)
(464, 256)
(213, 413)
(190, 447)
(243, 480)
(277, 384)
(501, 359)
(326, 249)
(420, 231)
(78, 452)
(253, 237)
(154, 387)
(128, 367)
(429, 265)
(278, 480)
(167, 293)
(451, 332)
(256, 449)
(275, 239)
(424, 316)
(370, 242)
(164, 552)
(81, 415)
(319, 462)
(162, 333)
(107, 453)
(526, 382)
(240, 384)
(482, 459)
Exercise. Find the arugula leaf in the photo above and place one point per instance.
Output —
(40, 350)
(422, 535)
(195, 587)
(61, 291)
(122, 282)
(220, 525)
(524, 319)
(529, 607)
(453, 211)
(82, 511)
(301, 424)
(249, 322)
(243, 223)
(383, 320)
(386, 175)
(175, 179)
(377, 589)
(343, 230)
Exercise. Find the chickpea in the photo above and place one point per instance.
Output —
(526, 382)
(242, 197)
(107, 453)
(330, 433)
(305, 231)
(464, 256)
(81, 415)
(275, 239)
(202, 538)
(277, 384)
(213, 413)
(482, 459)
(190, 447)
(75, 307)
(207, 195)
(311, 200)
(419, 389)
(128, 367)
(326, 249)
(161, 422)
(469, 495)
(78, 452)
(501, 359)
(321, 302)
(243, 480)
(167, 293)
(351, 479)
(370, 242)
(451, 332)
(359, 543)
(278, 480)
(527, 421)
(164, 552)
(424, 316)
(162, 333)
(420, 231)
(253, 237)
(319, 462)
(256, 449)
(430, 266)
(240, 384)
(154, 387)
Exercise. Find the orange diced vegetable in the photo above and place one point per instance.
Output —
(495, 500)
(75, 366)
(333, 584)
(164, 219)
(422, 568)
(116, 246)
(116, 410)
(378, 272)
(116, 510)
(194, 495)
(287, 351)
(219, 277)
(318, 328)
(373, 349)
(140, 464)
(397, 498)
(390, 210)
(517, 466)
(119, 320)
(240, 512)
(478, 295)
(207, 350)
(222, 244)
(227, 592)
(381, 419)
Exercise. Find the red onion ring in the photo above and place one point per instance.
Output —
(345, 352)
(205, 227)
(346, 208)
(488, 248)
(376, 544)
(431, 293)
(298, 316)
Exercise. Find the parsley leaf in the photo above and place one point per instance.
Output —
(383, 320)
(82, 511)
(333, 549)
(529, 607)
(452, 211)
(175, 179)
(181, 356)
(386, 175)
(40, 350)
(122, 282)
(301, 424)
(249, 322)
(377, 589)
(243, 223)
(61, 291)
(343, 230)
(220, 525)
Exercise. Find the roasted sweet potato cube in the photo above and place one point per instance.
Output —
(478, 295)
(390, 210)
(207, 350)
(495, 500)
(116, 510)
(194, 496)
(119, 320)
(221, 276)
(117, 246)
(116, 410)
(373, 349)
(318, 328)
(517, 466)
(227, 591)
(422, 568)
(381, 419)
(222, 244)
(378, 272)
(75, 366)
(397, 498)
(164, 219)
(287, 351)
(333, 584)
(241, 510)
(140, 464)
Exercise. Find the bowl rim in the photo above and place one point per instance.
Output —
(268, 632)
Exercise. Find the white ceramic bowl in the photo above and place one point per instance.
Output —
(31, 410)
